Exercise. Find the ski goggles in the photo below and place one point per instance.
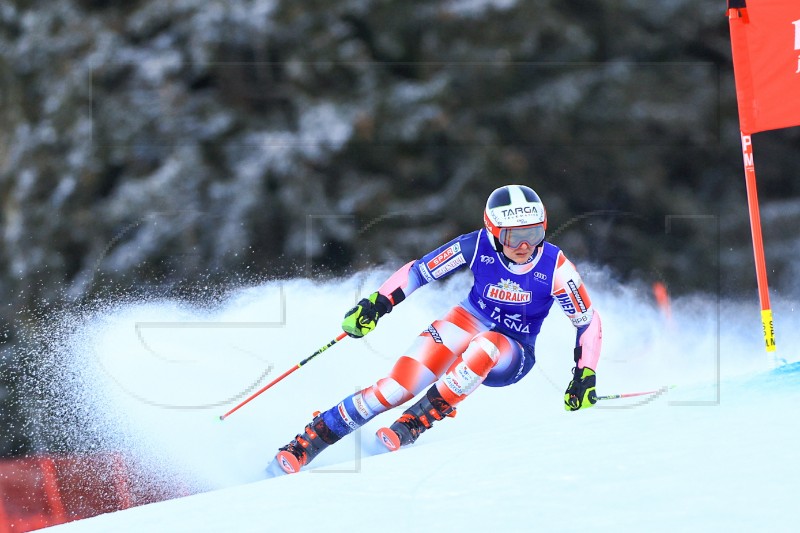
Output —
(514, 237)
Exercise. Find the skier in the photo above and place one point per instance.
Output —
(487, 339)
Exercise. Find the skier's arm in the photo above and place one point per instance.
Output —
(435, 265)
(401, 283)
(571, 294)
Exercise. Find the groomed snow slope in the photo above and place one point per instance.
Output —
(717, 452)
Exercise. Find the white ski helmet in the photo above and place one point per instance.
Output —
(515, 214)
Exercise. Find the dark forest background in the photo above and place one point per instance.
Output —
(183, 148)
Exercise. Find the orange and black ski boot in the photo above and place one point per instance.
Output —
(306, 446)
(415, 420)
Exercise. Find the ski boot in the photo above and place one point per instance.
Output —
(306, 446)
(415, 420)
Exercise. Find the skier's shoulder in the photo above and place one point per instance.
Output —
(448, 257)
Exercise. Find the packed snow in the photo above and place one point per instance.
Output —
(715, 452)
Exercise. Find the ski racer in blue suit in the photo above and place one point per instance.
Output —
(488, 338)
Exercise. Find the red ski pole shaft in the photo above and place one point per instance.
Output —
(279, 378)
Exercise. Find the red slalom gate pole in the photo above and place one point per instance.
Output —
(279, 378)
(758, 243)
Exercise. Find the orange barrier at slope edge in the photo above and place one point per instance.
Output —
(46, 490)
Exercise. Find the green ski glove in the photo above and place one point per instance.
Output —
(581, 392)
(363, 318)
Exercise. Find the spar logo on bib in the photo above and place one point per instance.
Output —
(507, 292)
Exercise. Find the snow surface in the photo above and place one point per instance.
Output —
(715, 453)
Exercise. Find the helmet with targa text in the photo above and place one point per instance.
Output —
(515, 214)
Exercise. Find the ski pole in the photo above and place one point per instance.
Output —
(276, 380)
(632, 394)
